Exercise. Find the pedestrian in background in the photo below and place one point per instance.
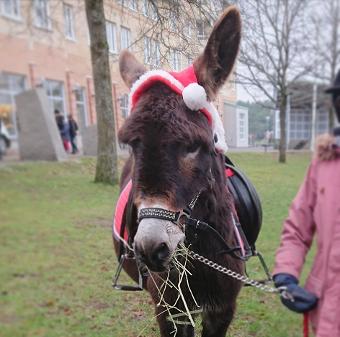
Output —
(64, 129)
(73, 127)
(315, 211)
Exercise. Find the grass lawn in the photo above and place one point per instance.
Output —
(57, 258)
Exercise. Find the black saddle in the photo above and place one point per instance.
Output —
(247, 202)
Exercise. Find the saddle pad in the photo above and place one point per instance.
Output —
(120, 208)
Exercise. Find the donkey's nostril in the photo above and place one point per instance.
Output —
(160, 253)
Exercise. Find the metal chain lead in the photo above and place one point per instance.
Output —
(232, 274)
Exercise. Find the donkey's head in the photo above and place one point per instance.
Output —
(173, 147)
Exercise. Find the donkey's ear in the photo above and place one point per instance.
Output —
(215, 64)
(130, 69)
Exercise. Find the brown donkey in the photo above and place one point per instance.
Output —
(174, 159)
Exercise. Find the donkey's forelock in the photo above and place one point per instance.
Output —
(163, 112)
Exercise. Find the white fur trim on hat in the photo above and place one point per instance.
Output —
(217, 128)
(148, 76)
(194, 96)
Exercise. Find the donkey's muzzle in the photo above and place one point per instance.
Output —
(155, 242)
(155, 258)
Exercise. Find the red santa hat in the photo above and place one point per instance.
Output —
(185, 84)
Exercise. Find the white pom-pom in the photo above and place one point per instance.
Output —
(194, 96)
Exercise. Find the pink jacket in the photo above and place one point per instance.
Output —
(316, 210)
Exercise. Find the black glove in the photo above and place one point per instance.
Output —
(293, 296)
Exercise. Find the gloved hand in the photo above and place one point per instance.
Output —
(298, 299)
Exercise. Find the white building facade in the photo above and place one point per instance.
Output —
(236, 125)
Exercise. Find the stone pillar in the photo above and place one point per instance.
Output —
(89, 137)
(38, 134)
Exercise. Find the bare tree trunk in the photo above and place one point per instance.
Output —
(106, 169)
(283, 137)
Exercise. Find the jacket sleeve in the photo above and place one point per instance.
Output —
(298, 228)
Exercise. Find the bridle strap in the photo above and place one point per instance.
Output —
(158, 213)
(189, 225)
(164, 214)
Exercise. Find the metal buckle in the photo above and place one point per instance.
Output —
(182, 214)
(285, 294)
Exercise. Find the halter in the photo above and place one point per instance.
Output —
(193, 228)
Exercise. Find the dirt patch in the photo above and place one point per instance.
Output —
(8, 319)
(95, 304)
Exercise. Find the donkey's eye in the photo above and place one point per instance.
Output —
(192, 148)
(191, 151)
(134, 143)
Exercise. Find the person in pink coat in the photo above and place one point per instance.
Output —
(315, 213)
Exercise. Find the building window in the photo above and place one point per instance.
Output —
(242, 125)
(201, 30)
(188, 30)
(300, 124)
(175, 59)
(147, 50)
(10, 85)
(133, 5)
(189, 60)
(69, 22)
(149, 10)
(125, 38)
(81, 107)
(56, 96)
(152, 55)
(111, 36)
(173, 21)
(41, 14)
(124, 105)
(10, 8)
(322, 125)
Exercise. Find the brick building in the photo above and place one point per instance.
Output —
(46, 43)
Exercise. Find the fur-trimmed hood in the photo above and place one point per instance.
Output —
(327, 148)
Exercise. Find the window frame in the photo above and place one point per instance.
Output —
(12, 93)
(37, 24)
(300, 124)
(71, 21)
(83, 102)
(128, 35)
(202, 36)
(149, 10)
(242, 125)
(124, 105)
(175, 59)
(16, 17)
(135, 7)
(113, 35)
(47, 83)
(152, 54)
